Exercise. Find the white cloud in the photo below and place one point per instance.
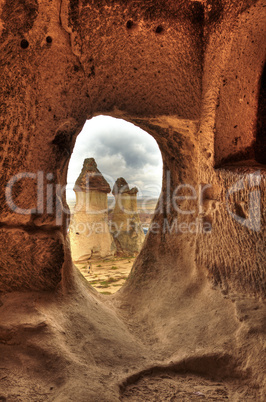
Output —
(120, 150)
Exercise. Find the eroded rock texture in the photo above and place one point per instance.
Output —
(126, 226)
(191, 74)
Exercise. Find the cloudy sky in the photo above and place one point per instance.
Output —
(120, 150)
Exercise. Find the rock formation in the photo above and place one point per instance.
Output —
(190, 73)
(89, 229)
(126, 226)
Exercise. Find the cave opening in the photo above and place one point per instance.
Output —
(113, 183)
(260, 145)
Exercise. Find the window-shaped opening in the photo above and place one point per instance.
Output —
(114, 181)
(260, 146)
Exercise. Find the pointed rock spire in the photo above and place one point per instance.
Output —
(91, 178)
(121, 187)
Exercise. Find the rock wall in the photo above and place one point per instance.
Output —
(228, 135)
(187, 72)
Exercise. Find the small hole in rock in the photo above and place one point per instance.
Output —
(159, 29)
(24, 43)
(129, 24)
(49, 39)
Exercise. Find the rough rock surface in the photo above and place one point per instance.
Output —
(126, 226)
(89, 229)
(90, 178)
(190, 73)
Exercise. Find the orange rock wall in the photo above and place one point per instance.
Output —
(169, 68)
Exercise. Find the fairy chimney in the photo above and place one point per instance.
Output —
(126, 226)
(89, 230)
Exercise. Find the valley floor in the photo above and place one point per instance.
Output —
(107, 275)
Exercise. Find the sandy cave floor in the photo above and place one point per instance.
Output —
(108, 275)
(52, 359)
(185, 388)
